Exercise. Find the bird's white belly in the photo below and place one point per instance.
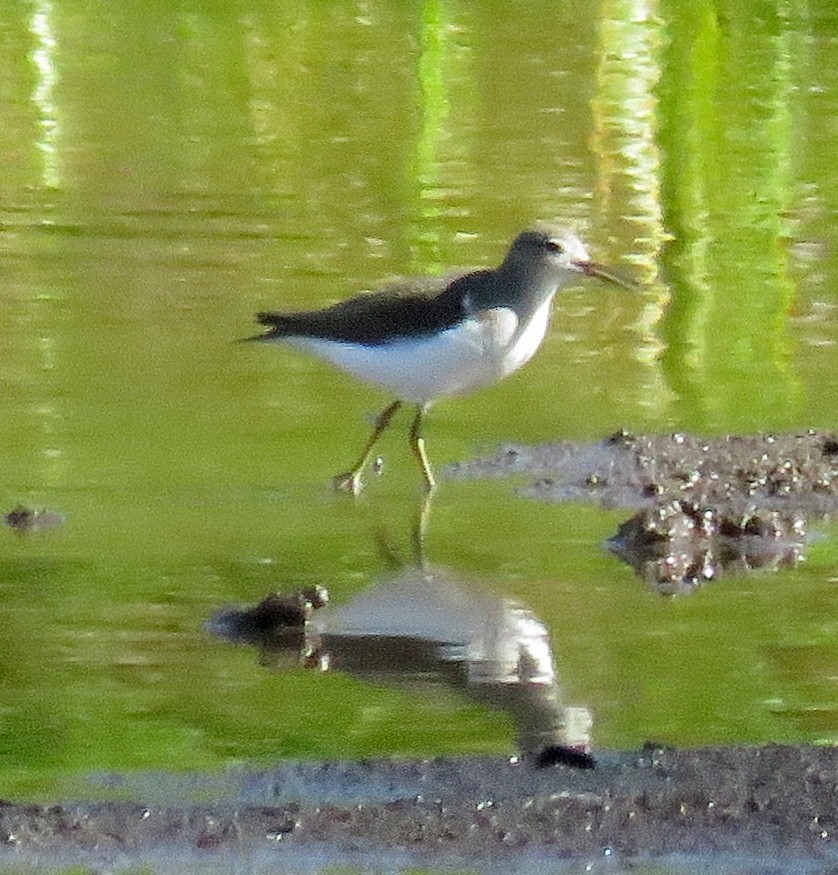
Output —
(474, 354)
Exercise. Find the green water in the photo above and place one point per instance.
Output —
(168, 169)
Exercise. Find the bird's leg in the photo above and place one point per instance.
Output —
(417, 445)
(419, 529)
(351, 480)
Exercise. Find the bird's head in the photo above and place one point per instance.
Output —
(556, 252)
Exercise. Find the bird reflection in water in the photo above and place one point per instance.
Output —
(424, 625)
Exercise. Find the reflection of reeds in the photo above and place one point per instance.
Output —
(725, 133)
(693, 142)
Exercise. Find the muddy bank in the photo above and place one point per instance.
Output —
(699, 507)
(773, 803)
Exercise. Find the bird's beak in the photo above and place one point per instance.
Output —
(591, 268)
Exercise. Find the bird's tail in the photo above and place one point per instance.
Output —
(266, 319)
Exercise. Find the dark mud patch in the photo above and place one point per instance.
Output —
(700, 506)
(722, 804)
(27, 519)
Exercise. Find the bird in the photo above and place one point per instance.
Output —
(427, 338)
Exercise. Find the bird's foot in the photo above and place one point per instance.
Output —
(349, 482)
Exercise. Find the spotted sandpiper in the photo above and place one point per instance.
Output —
(425, 338)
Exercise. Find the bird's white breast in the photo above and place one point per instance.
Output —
(525, 343)
(476, 353)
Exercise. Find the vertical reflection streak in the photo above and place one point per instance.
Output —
(625, 141)
(43, 96)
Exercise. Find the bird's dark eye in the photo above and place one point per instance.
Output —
(554, 246)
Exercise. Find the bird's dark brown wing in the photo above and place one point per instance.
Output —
(412, 308)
